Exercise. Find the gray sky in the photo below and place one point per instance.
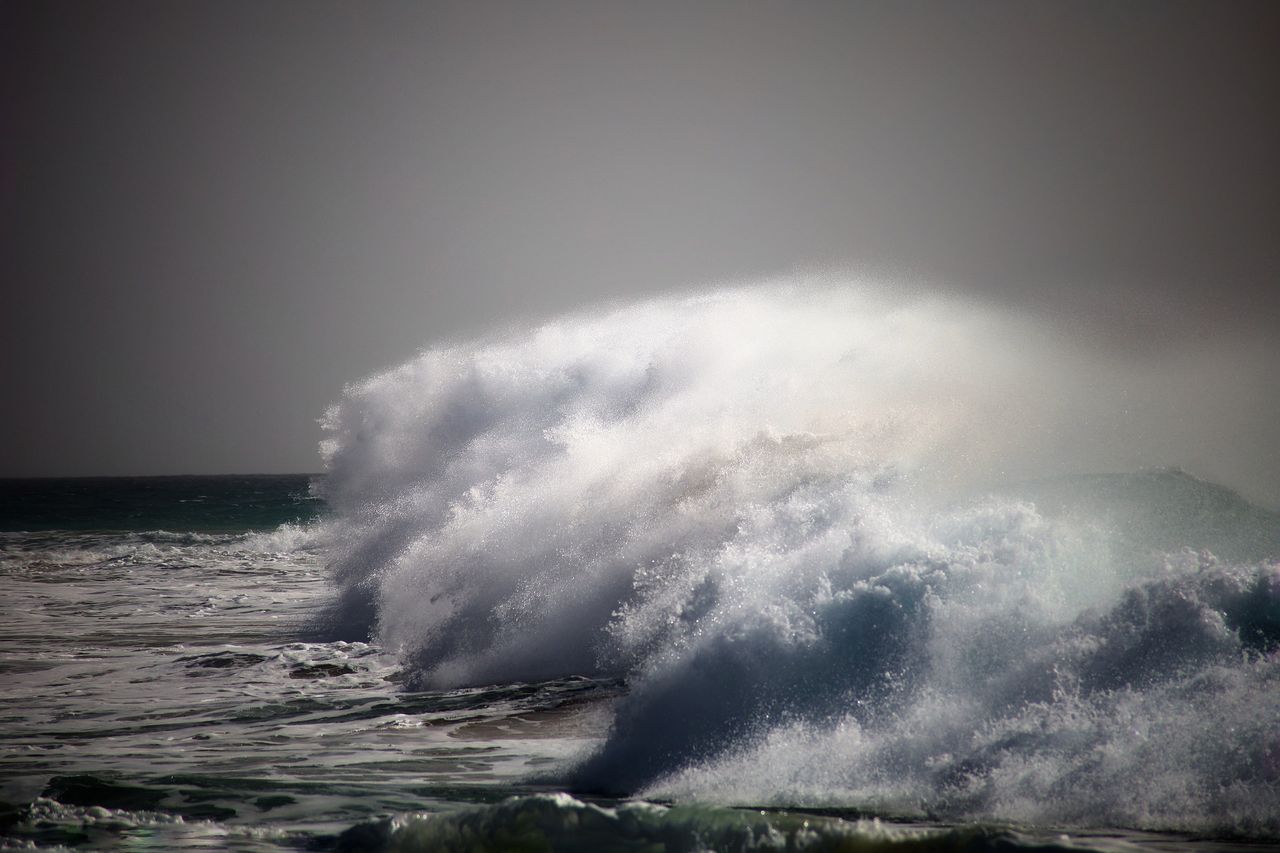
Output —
(216, 214)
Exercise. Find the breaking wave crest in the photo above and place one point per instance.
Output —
(786, 517)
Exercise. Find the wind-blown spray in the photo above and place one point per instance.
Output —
(785, 515)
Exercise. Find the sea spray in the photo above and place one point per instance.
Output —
(549, 466)
(790, 517)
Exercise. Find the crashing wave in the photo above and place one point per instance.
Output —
(786, 517)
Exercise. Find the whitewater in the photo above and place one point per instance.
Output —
(803, 565)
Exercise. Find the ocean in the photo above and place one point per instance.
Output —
(647, 581)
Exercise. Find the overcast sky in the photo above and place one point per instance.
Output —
(217, 214)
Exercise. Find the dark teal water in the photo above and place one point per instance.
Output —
(163, 690)
(230, 503)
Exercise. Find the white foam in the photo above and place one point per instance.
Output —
(763, 506)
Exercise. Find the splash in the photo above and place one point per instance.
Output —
(786, 515)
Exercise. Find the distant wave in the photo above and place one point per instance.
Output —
(786, 516)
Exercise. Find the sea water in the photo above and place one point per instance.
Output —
(754, 570)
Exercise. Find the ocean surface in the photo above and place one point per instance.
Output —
(641, 582)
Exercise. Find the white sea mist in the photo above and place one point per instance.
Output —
(840, 541)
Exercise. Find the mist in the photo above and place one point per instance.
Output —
(540, 466)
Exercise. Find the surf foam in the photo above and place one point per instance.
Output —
(768, 508)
